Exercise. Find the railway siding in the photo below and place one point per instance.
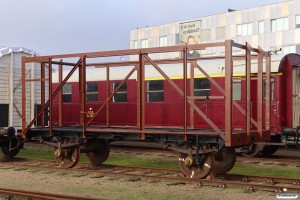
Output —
(100, 181)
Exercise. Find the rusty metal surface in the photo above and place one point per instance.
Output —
(60, 94)
(248, 90)
(192, 94)
(268, 92)
(260, 95)
(107, 94)
(228, 92)
(43, 92)
(24, 125)
(50, 96)
(141, 95)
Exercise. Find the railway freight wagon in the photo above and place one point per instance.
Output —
(202, 107)
(161, 98)
(11, 97)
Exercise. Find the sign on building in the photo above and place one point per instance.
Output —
(192, 28)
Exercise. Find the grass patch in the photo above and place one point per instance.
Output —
(45, 152)
(36, 151)
(247, 169)
(147, 161)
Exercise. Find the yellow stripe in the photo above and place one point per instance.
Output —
(212, 76)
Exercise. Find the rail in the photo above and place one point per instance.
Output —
(15, 193)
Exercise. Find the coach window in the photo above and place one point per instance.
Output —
(67, 93)
(121, 95)
(92, 91)
(155, 91)
(201, 87)
(236, 90)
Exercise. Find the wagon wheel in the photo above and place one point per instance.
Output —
(11, 149)
(269, 150)
(98, 150)
(194, 170)
(67, 157)
(254, 149)
(224, 160)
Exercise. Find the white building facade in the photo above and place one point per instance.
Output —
(274, 27)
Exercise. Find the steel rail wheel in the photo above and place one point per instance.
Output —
(192, 169)
(12, 149)
(67, 157)
(98, 150)
(224, 160)
(254, 149)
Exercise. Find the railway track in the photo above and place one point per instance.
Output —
(173, 177)
(282, 159)
(150, 149)
(16, 194)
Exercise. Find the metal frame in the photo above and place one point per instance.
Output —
(246, 136)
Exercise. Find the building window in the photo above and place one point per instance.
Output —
(244, 29)
(201, 87)
(176, 38)
(155, 91)
(279, 24)
(286, 50)
(163, 41)
(220, 33)
(67, 93)
(206, 35)
(236, 90)
(261, 27)
(121, 94)
(92, 91)
(298, 21)
(144, 44)
(135, 44)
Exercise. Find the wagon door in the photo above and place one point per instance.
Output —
(295, 97)
(275, 104)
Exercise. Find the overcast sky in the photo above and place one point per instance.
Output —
(72, 26)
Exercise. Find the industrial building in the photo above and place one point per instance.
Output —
(274, 27)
